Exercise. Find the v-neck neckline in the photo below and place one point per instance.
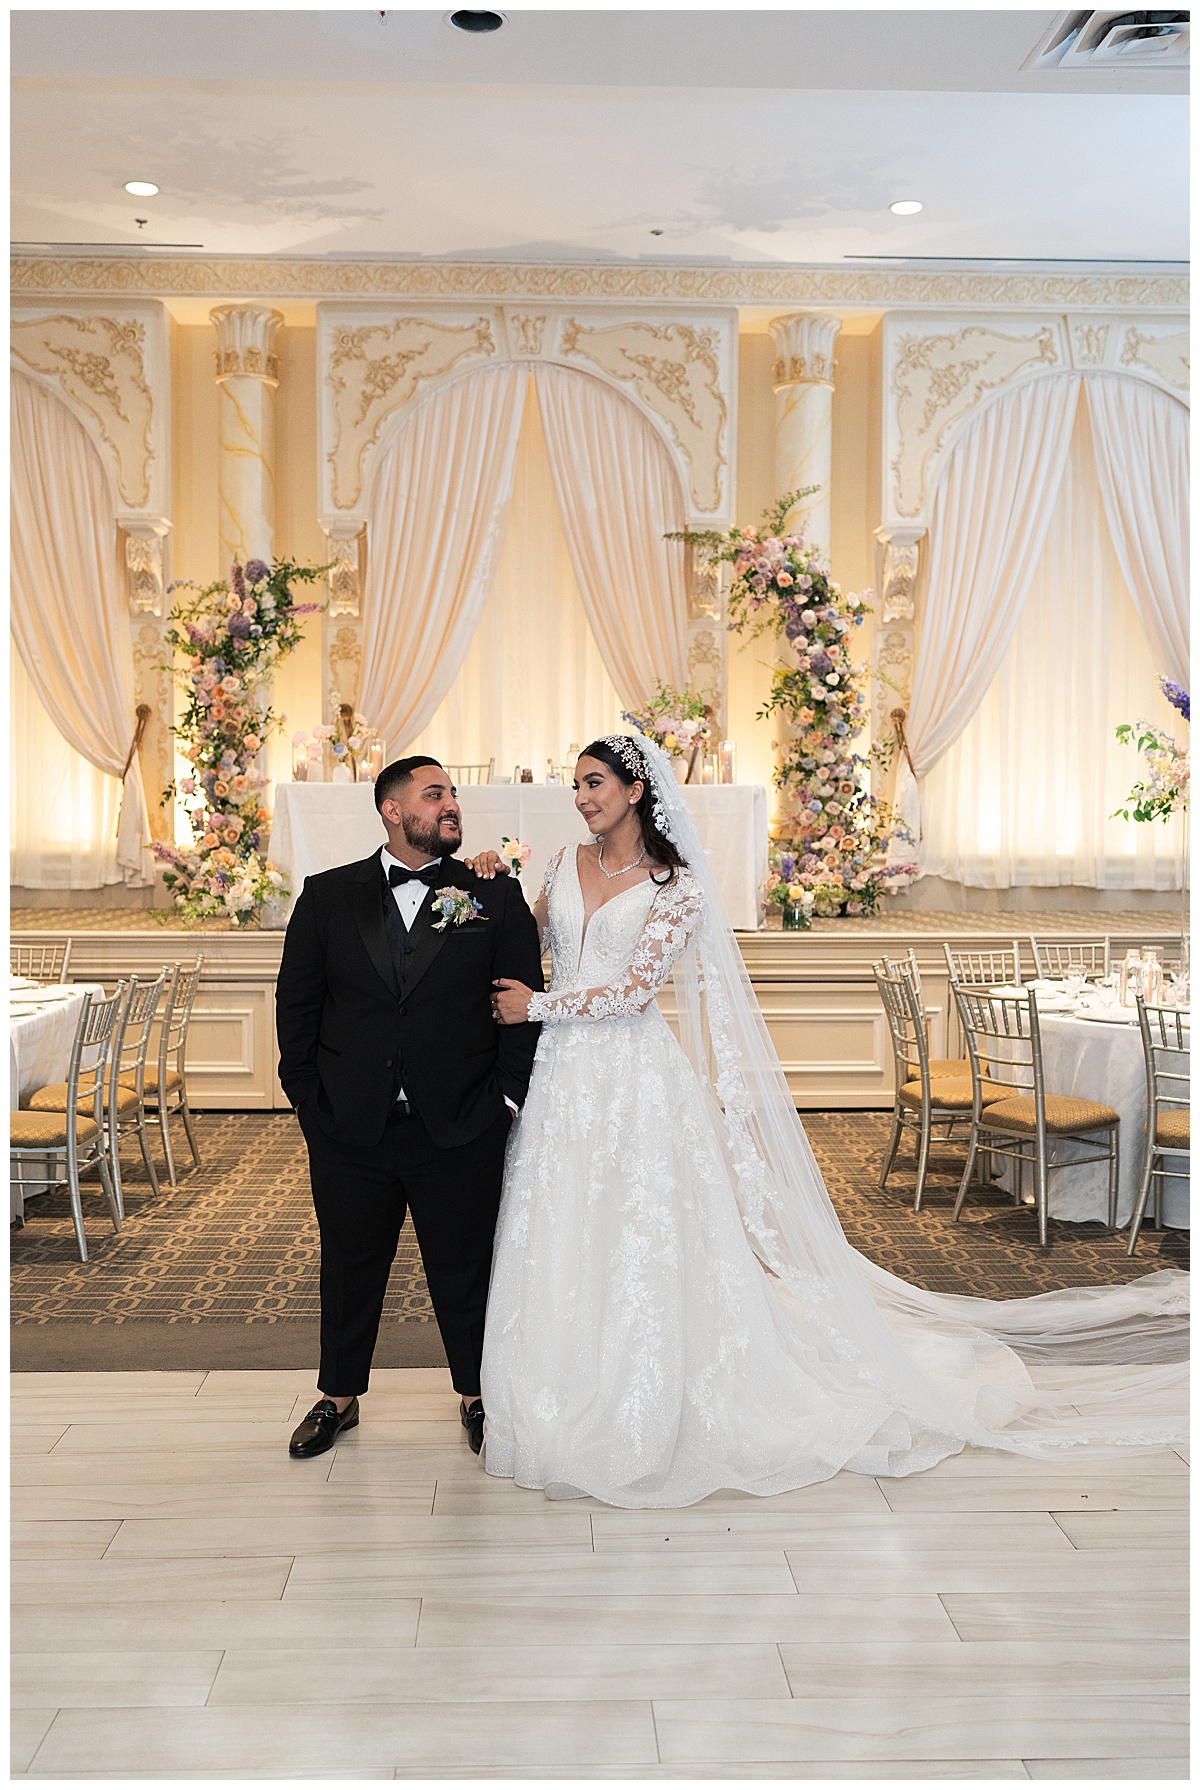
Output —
(588, 918)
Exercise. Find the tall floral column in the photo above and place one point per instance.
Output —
(803, 382)
(247, 376)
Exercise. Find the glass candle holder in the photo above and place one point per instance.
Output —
(727, 761)
(299, 764)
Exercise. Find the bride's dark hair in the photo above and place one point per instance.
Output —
(658, 846)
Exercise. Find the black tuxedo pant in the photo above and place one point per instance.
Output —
(361, 1195)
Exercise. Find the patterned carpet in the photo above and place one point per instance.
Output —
(234, 1249)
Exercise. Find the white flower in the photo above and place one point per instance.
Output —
(832, 677)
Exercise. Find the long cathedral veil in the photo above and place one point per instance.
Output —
(1101, 1367)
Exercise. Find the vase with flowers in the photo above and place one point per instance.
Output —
(680, 722)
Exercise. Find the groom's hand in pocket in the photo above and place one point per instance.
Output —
(510, 1002)
(487, 864)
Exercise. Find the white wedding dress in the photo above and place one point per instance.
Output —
(674, 1308)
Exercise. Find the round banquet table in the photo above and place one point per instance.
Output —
(39, 1048)
(1101, 1060)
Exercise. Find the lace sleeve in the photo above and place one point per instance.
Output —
(669, 929)
(552, 870)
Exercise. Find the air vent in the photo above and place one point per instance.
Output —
(1114, 40)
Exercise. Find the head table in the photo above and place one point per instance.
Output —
(318, 825)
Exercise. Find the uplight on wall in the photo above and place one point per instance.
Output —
(906, 208)
(141, 189)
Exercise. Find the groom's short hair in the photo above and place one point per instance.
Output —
(398, 775)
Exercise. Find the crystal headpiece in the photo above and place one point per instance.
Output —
(627, 750)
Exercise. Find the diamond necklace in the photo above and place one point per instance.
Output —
(624, 871)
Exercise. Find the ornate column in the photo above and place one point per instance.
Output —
(341, 625)
(247, 375)
(804, 417)
(145, 582)
(893, 657)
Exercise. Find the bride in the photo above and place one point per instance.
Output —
(674, 1308)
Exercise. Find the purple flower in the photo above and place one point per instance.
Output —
(794, 630)
(240, 627)
(787, 866)
(1178, 697)
(820, 663)
(237, 578)
(257, 570)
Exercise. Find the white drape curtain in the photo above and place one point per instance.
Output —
(618, 494)
(987, 528)
(1025, 796)
(69, 621)
(1140, 436)
(437, 514)
(533, 682)
(62, 810)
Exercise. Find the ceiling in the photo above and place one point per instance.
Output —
(745, 137)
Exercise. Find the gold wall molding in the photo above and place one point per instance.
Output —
(375, 361)
(168, 276)
(99, 364)
(939, 371)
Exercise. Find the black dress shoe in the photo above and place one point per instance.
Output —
(472, 1422)
(321, 1428)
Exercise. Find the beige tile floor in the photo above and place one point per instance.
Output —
(189, 1603)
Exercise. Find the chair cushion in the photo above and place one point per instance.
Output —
(1174, 1129)
(150, 1082)
(1063, 1114)
(953, 1068)
(47, 1131)
(53, 1099)
(951, 1093)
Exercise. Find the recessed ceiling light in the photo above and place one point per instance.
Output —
(141, 189)
(476, 22)
(906, 208)
(656, 232)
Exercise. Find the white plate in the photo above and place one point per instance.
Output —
(1110, 1016)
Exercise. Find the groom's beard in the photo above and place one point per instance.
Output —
(440, 838)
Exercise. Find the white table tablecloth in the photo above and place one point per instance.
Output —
(1094, 1060)
(39, 1051)
(318, 825)
(40, 1043)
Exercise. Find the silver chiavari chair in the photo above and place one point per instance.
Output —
(48, 1148)
(923, 1098)
(1005, 1047)
(1058, 958)
(124, 1102)
(41, 963)
(1166, 1046)
(461, 774)
(165, 1082)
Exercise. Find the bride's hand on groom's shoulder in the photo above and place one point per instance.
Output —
(486, 864)
(510, 1002)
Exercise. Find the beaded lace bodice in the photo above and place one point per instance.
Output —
(614, 969)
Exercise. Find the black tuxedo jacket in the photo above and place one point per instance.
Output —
(352, 1033)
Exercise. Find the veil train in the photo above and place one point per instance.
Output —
(1096, 1367)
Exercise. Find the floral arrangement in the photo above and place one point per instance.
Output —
(832, 830)
(308, 748)
(784, 890)
(1165, 792)
(516, 853)
(676, 719)
(456, 907)
(231, 636)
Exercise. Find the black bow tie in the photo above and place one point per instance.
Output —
(427, 874)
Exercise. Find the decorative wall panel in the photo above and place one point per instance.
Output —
(374, 361)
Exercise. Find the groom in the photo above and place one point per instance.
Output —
(403, 1084)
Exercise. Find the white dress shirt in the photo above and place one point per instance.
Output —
(409, 897)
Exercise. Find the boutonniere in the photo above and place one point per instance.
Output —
(456, 907)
